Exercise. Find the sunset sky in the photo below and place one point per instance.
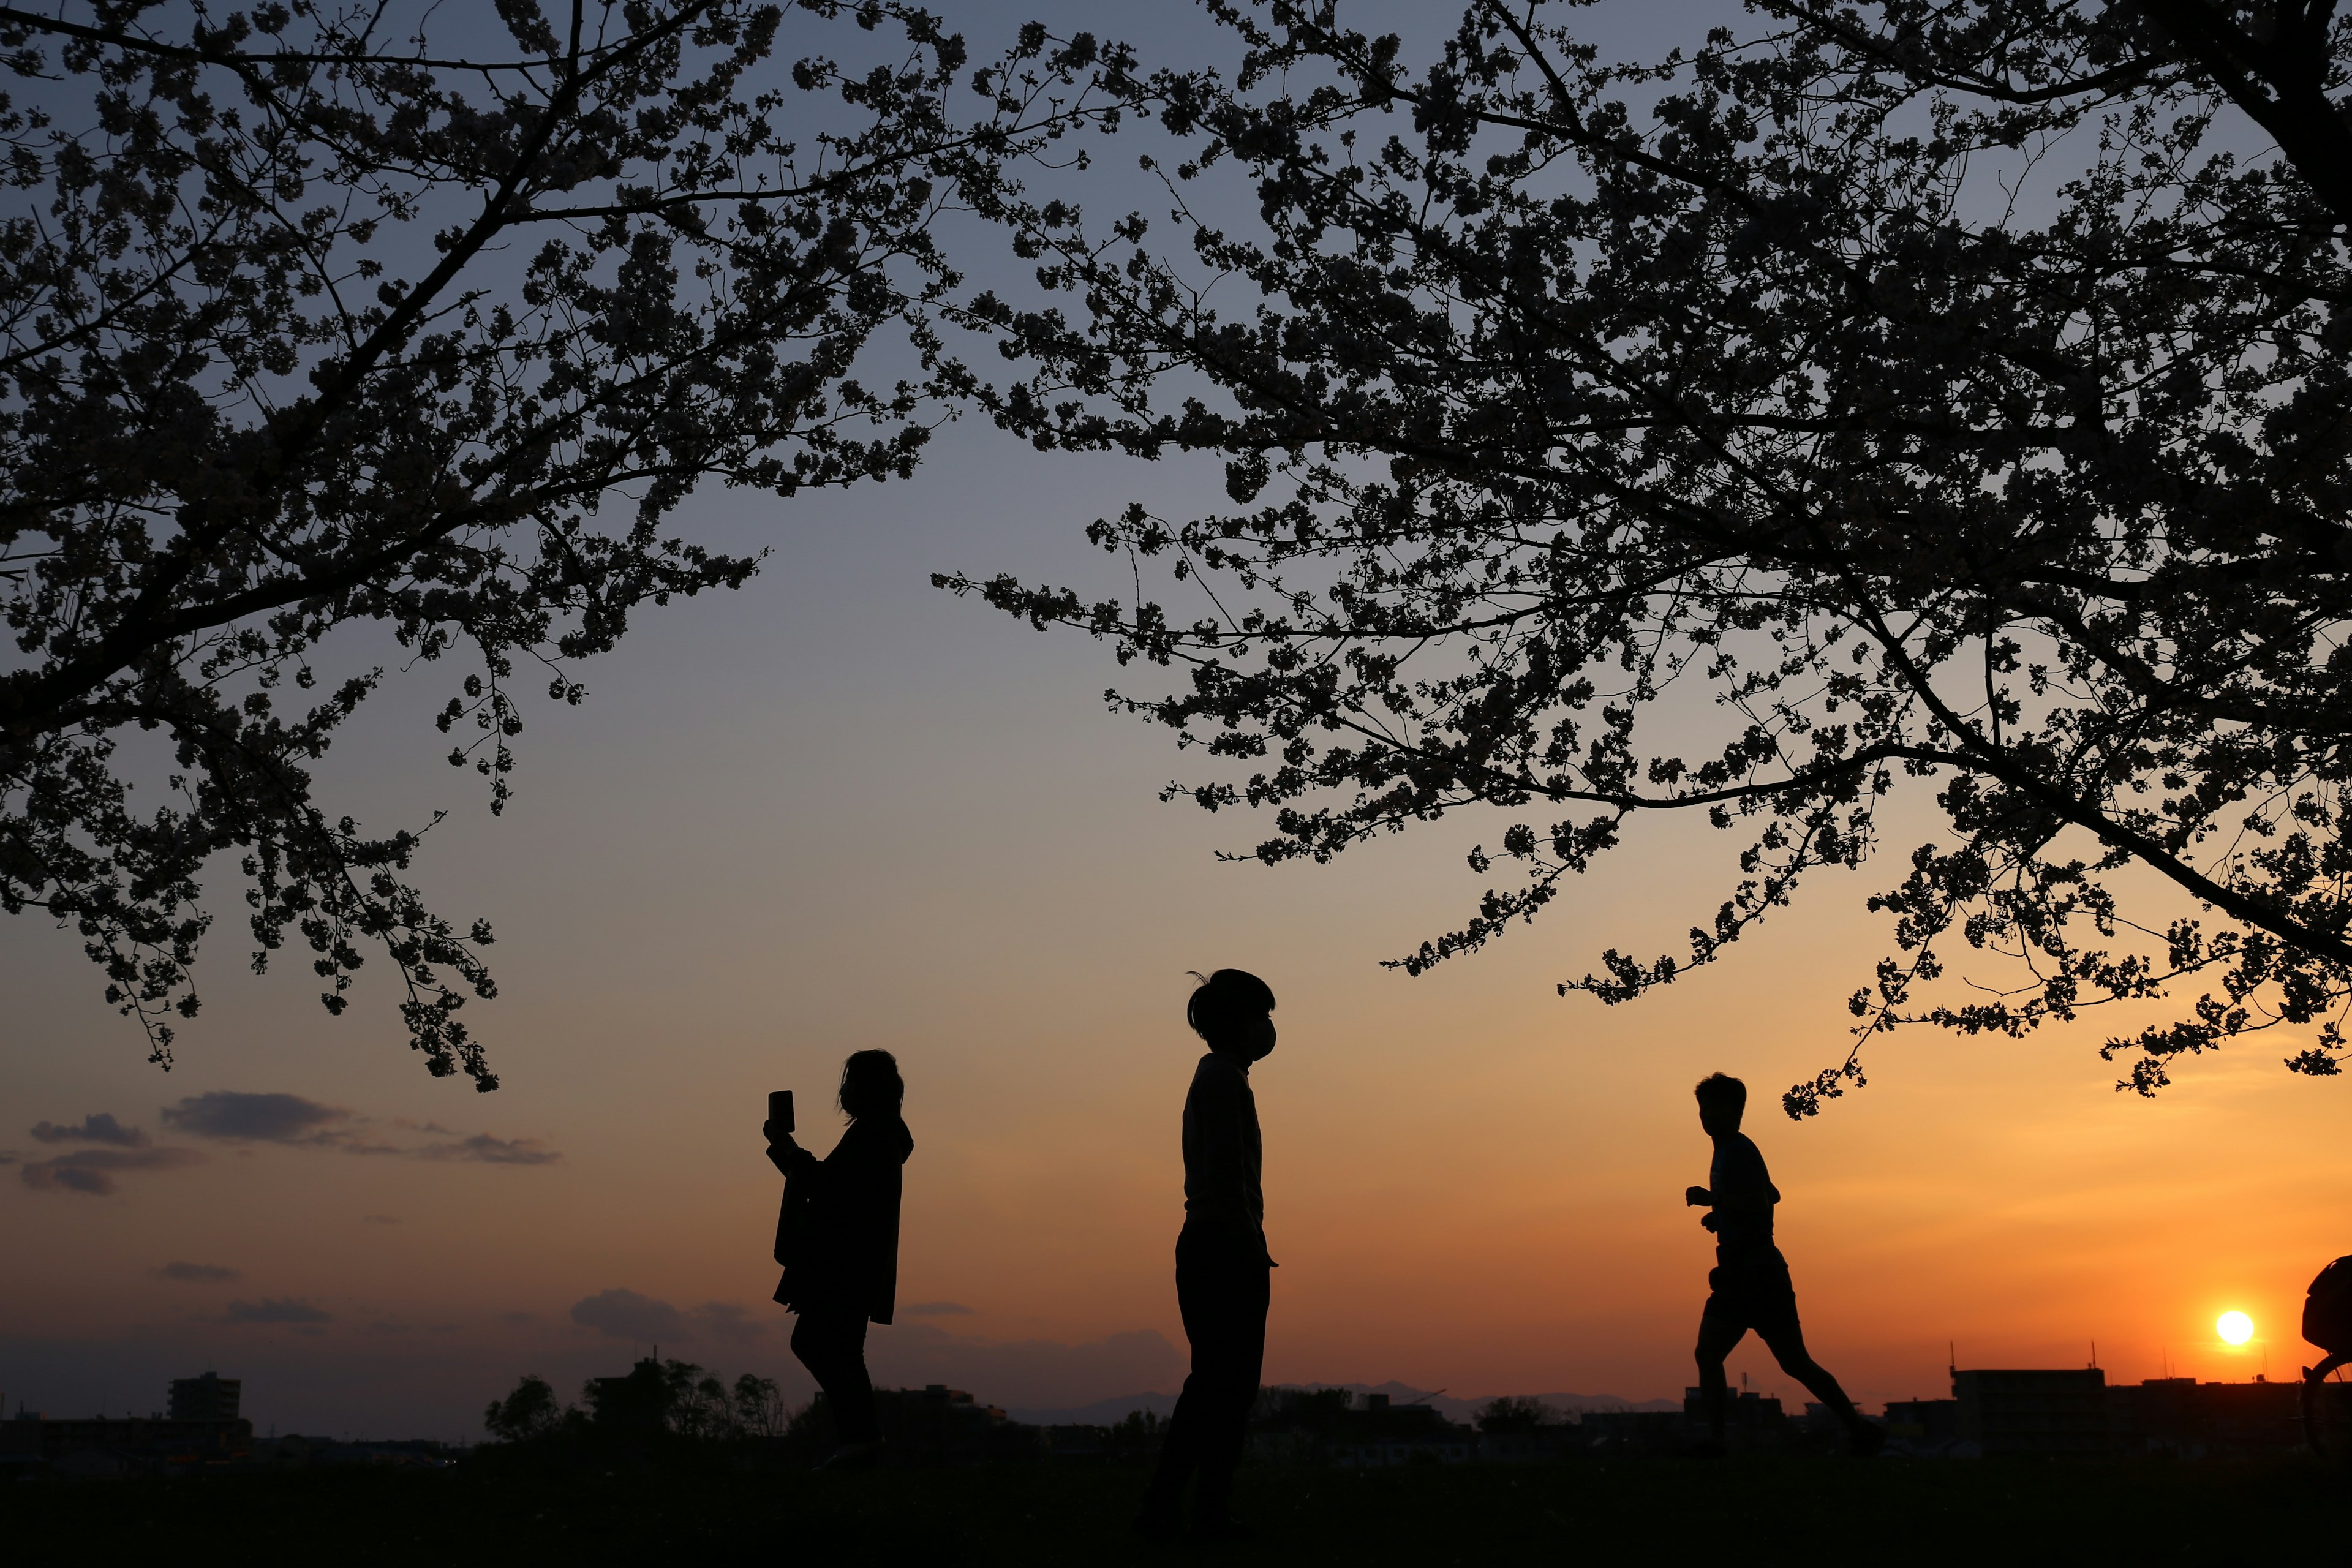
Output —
(840, 810)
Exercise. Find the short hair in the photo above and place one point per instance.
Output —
(1721, 1089)
(875, 1074)
(1226, 1000)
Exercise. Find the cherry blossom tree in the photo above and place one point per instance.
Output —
(1945, 397)
(319, 315)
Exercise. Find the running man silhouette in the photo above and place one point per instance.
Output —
(1749, 1286)
(1222, 1266)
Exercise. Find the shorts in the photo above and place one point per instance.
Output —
(1750, 1293)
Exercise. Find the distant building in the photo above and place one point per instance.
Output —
(2192, 1420)
(2074, 1413)
(1926, 1429)
(2041, 1412)
(206, 1398)
(637, 1403)
(142, 1441)
(204, 1428)
(1930, 1419)
(1746, 1413)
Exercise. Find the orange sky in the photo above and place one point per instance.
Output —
(838, 810)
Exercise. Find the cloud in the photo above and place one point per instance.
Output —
(491, 1151)
(273, 1310)
(289, 1120)
(91, 1171)
(625, 1315)
(97, 1127)
(935, 1310)
(197, 1273)
(239, 1118)
(725, 1320)
(51, 1176)
(381, 1219)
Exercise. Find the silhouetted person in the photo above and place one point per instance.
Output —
(1221, 1260)
(838, 1242)
(1749, 1286)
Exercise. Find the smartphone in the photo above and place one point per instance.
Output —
(779, 1109)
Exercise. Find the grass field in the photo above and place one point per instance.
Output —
(1666, 1512)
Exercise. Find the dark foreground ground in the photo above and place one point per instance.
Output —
(1627, 1511)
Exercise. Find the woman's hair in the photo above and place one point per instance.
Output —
(876, 1077)
(1225, 1001)
(1720, 1089)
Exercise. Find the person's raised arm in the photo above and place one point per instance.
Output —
(786, 1155)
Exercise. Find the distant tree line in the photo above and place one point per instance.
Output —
(670, 1400)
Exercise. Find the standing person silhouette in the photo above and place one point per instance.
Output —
(1749, 1286)
(1222, 1265)
(838, 1242)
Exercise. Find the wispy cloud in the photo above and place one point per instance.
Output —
(381, 1219)
(935, 1310)
(97, 1127)
(92, 1172)
(235, 1117)
(197, 1273)
(490, 1150)
(272, 1309)
(625, 1315)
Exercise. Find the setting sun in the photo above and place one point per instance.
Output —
(2235, 1327)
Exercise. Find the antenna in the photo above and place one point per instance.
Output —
(1952, 1357)
(2094, 1353)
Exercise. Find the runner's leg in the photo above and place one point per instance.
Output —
(1720, 1329)
(1785, 1338)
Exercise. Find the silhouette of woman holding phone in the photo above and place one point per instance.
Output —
(838, 1242)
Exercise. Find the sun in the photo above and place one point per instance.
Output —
(2235, 1327)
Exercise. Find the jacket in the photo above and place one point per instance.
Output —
(838, 1233)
